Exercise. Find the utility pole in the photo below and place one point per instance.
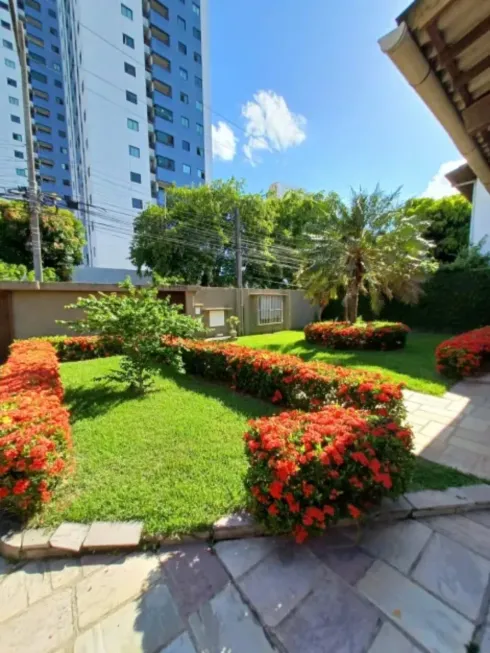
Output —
(32, 190)
(239, 271)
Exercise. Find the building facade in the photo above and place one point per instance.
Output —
(120, 105)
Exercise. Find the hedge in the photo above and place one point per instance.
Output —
(34, 427)
(464, 355)
(308, 470)
(452, 302)
(362, 335)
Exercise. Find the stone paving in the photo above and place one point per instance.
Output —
(406, 587)
(454, 429)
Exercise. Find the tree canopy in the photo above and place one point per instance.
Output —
(62, 238)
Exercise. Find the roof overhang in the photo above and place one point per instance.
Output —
(463, 179)
(442, 48)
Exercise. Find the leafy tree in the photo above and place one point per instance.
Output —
(369, 246)
(448, 221)
(470, 258)
(62, 237)
(138, 320)
(12, 272)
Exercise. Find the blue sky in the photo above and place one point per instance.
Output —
(362, 124)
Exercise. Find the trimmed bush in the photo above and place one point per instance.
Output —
(308, 470)
(34, 427)
(465, 354)
(361, 335)
(80, 348)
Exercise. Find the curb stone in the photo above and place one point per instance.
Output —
(71, 539)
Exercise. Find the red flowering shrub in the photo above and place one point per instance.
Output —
(362, 335)
(80, 348)
(34, 426)
(308, 470)
(465, 354)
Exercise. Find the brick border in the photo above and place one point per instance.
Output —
(72, 539)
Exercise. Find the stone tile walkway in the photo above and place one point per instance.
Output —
(411, 587)
(454, 429)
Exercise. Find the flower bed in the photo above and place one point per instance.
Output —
(80, 348)
(34, 426)
(362, 335)
(308, 470)
(465, 354)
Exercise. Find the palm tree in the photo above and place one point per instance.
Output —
(368, 246)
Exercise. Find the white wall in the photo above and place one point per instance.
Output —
(480, 216)
(107, 110)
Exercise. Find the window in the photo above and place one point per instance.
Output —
(42, 145)
(181, 22)
(14, 118)
(199, 106)
(126, 11)
(163, 137)
(48, 163)
(161, 87)
(164, 113)
(160, 8)
(22, 172)
(59, 100)
(4, 23)
(11, 82)
(128, 40)
(7, 44)
(14, 101)
(61, 117)
(197, 33)
(34, 39)
(17, 137)
(199, 128)
(43, 128)
(18, 155)
(133, 124)
(216, 318)
(39, 77)
(198, 81)
(55, 49)
(66, 182)
(183, 74)
(200, 174)
(47, 179)
(186, 169)
(34, 21)
(164, 162)
(33, 4)
(186, 146)
(199, 151)
(131, 97)
(9, 63)
(37, 58)
(134, 151)
(160, 35)
(40, 94)
(182, 47)
(52, 13)
(270, 309)
(4, 5)
(57, 67)
(184, 121)
(197, 57)
(40, 111)
(135, 177)
(131, 70)
(57, 83)
(184, 97)
(64, 150)
(136, 203)
(163, 62)
(53, 31)
(196, 9)
(65, 166)
(61, 133)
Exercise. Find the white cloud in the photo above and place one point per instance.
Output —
(271, 125)
(224, 141)
(439, 186)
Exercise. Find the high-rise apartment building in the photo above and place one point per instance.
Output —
(120, 107)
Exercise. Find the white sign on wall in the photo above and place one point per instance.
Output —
(216, 318)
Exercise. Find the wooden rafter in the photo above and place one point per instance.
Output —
(462, 79)
(476, 117)
(452, 51)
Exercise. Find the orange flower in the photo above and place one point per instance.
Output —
(275, 489)
(354, 512)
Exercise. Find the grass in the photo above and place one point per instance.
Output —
(414, 365)
(173, 458)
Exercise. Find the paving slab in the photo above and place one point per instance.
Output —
(44, 627)
(113, 535)
(139, 627)
(226, 624)
(323, 622)
(427, 502)
(194, 575)
(281, 581)
(461, 529)
(474, 424)
(239, 524)
(98, 561)
(11, 544)
(238, 556)
(431, 623)
(455, 574)
(391, 640)
(479, 494)
(13, 594)
(105, 590)
(336, 550)
(399, 543)
(36, 538)
(69, 536)
(485, 642)
(64, 571)
(38, 583)
(182, 644)
(480, 516)
(392, 509)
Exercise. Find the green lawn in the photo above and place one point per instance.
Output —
(174, 458)
(414, 365)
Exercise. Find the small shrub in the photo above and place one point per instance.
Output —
(361, 335)
(308, 470)
(465, 354)
(81, 348)
(34, 427)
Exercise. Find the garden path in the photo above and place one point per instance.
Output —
(409, 586)
(454, 429)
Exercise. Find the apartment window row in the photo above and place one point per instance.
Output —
(135, 177)
(169, 164)
(131, 97)
(136, 203)
(126, 11)
(8, 44)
